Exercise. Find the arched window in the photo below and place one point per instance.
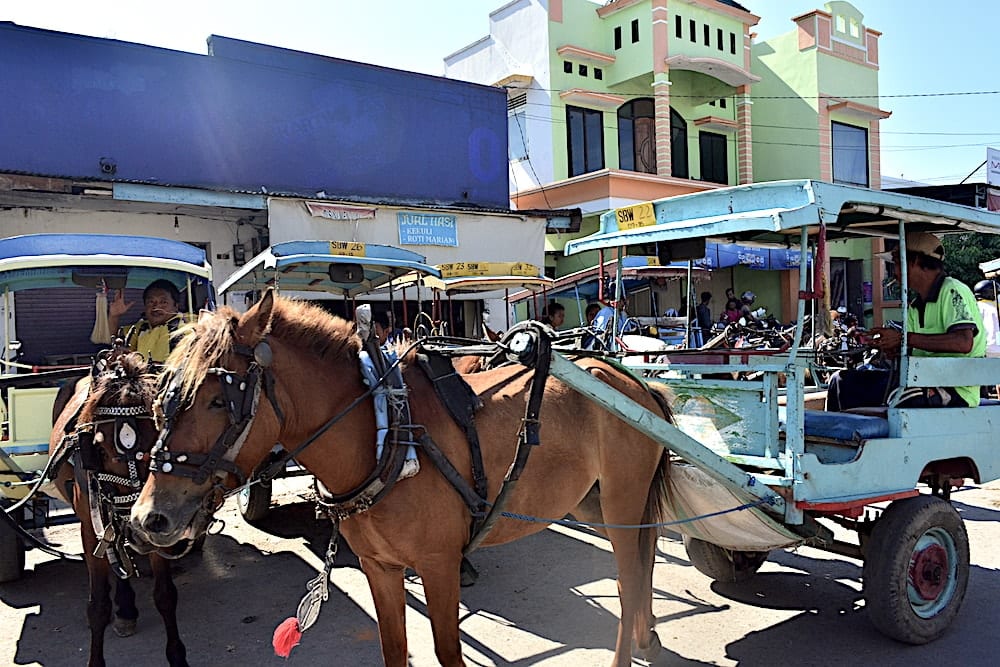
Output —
(678, 145)
(637, 136)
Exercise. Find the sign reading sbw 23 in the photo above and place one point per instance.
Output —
(427, 229)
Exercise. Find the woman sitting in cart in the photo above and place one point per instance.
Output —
(943, 321)
(151, 335)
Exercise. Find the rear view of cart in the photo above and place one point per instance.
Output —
(35, 271)
(317, 270)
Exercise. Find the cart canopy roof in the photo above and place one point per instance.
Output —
(95, 260)
(481, 277)
(777, 212)
(334, 267)
(991, 268)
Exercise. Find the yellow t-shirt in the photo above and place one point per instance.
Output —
(154, 342)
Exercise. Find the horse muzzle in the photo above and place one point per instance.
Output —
(159, 524)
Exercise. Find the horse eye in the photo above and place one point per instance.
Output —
(217, 403)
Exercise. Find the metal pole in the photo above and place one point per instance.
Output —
(687, 301)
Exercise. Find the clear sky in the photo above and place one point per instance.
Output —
(928, 47)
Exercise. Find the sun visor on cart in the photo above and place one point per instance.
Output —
(101, 276)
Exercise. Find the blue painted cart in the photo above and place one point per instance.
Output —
(885, 474)
(307, 268)
(89, 262)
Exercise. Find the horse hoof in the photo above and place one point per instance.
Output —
(469, 574)
(650, 652)
(124, 627)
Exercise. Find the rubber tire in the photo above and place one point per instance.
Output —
(721, 564)
(254, 501)
(11, 553)
(928, 520)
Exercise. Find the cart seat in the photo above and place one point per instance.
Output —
(844, 426)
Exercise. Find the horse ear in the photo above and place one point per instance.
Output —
(256, 323)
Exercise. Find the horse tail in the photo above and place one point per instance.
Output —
(659, 489)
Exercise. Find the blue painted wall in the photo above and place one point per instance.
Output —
(247, 116)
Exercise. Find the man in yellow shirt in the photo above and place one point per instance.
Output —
(151, 334)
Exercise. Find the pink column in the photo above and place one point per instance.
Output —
(874, 156)
(661, 104)
(744, 137)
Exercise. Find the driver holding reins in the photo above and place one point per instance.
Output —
(943, 321)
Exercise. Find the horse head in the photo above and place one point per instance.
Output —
(113, 434)
(221, 410)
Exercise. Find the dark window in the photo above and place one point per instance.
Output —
(722, 103)
(714, 165)
(678, 26)
(582, 70)
(718, 38)
(711, 103)
(732, 43)
(678, 145)
(850, 154)
(707, 31)
(693, 30)
(567, 67)
(516, 148)
(598, 73)
(637, 136)
(618, 37)
(635, 30)
(585, 140)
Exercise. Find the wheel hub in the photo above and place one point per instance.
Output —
(929, 571)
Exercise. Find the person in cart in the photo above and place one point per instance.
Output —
(943, 321)
(152, 334)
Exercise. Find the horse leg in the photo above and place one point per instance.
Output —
(98, 603)
(634, 551)
(165, 598)
(441, 586)
(126, 612)
(386, 584)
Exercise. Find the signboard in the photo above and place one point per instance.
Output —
(338, 212)
(427, 229)
(491, 269)
(993, 166)
(635, 216)
(348, 248)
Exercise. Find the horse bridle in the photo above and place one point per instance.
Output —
(241, 394)
(109, 509)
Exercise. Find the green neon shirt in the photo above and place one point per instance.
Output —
(950, 306)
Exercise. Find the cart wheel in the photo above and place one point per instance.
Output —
(11, 553)
(254, 501)
(721, 564)
(916, 569)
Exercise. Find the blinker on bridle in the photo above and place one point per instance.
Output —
(241, 395)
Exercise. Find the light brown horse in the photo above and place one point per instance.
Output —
(106, 424)
(422, 523)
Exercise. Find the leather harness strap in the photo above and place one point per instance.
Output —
(461, 402)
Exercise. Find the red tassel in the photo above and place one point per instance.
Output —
(286, 637)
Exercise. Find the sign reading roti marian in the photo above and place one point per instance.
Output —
(427, 229)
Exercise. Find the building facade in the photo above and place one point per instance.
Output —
(241, 146)
(614, 103)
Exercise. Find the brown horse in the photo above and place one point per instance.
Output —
(101, 441)
(422, 523)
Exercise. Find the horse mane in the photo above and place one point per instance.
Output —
(296, 322)
(128, 382)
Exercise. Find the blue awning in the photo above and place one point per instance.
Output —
(724, 255)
